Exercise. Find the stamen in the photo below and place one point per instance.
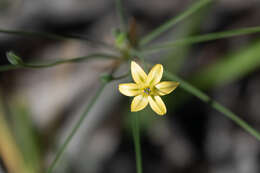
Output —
(147, 90)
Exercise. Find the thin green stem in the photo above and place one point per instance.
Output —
(158, 31)
(205, 98)
(33, 34)
(75, 128)
(55, 36)
(136, 137)
(58, 62)
(202, 38)
(121, 15)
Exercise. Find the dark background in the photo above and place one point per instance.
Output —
(42, 105)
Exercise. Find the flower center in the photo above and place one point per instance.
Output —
(147, 91)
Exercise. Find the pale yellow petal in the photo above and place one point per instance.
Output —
(138, 74)
(155, 75)
(139, 102)
(129, 89)
(157, 104)
(166, 87)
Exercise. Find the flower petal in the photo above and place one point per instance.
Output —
(129, 89)
(157, 104)
(166, 87)
(155, 75)
(139, 102)
(138, 74)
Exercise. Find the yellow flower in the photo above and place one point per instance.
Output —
(147, 88)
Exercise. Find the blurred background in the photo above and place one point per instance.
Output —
(40, 106)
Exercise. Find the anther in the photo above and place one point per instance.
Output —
(147, 90)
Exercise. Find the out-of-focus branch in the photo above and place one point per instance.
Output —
(18, 63)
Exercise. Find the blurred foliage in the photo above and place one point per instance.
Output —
(10, 150)
(20, 146)
(26, 134)
(230, 68)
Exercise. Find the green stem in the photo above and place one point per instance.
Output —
(33, 34)
(58, 62)
(202, 38)
(120, 13)
(136, 137)
(158, 31)
(205, 98)
(54, 36)
(75, 128)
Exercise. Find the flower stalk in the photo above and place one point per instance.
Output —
(137, 143)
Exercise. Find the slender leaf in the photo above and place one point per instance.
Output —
(158, 31)
(75, 129)
(202, 38)
(205, 98)
(177, 56)
(9, 150)
(79, 123)
(25, 134)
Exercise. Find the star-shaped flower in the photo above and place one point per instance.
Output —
(147, 88)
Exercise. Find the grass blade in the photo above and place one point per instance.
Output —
(10, 152)
(25, 134)
(158, 31)
(217, 106)
(203, 38)
(176, 57)
(75, 129)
